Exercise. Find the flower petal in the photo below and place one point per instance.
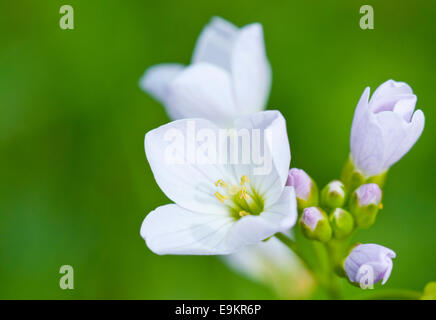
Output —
(171, 229)
(366, 142)
(284, 211)
(405, 107)
(373, 256)
(271, 155)
(399, 135)
(387, 94)
(214, 45)
(257, 260)
(183, 169)
(251, 70)
(278, 218)
(202, 90)
(156, 79)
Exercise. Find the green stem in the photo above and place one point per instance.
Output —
(391, 294)
(291, 244)
(333, 288)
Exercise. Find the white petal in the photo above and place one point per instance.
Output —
(173, 152)
(278, 218)
(388, 266)
(405, 107)
(269, 175)
(366, 142)
(202, 90)
(214, 45)
(361, 108)
(373, 256)
(273, 264)
(284, 212)
(251, 70)
(388, 90)
(156, 79)
(399, 135)
(256, 260)
(171, 229)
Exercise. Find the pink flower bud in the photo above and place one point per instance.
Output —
(369, 260)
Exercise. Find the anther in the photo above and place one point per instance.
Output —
(220, 197)
(243, 213)
(221, 183)
(243, 193)
(244, 179)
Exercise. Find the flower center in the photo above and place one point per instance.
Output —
(241, 200)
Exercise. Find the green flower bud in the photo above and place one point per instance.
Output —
(333, 195)
(429, 291)
(342, 223)
(353, 178)
(315, 225)
(306, 189)
(365, 203)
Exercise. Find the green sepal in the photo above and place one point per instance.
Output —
(364, 217)
(354, 178)
(331, 198)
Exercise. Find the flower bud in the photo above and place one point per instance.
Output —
(429, 291)
(306, 189)
(384, 127)
(333, 195)
(315, 224)
(365, 203)
(342, 223)
(368, 264)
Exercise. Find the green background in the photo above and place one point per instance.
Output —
(75, 185)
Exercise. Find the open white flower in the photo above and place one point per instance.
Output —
(229, 76)
(385, 127)
(219, 207)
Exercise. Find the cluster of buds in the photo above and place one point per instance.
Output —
(331, 216)
(343, 206)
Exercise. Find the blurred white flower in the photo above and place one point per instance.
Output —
(229, 76)
(273, 264)
(385, 128)
(219, 208)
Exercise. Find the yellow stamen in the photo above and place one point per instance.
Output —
(233, 189)
(243, 213)
(244, 179)
(221, 183)
(243, 193)
(380, 206)
(220, 197)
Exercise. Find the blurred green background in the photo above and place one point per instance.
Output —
(75, 184)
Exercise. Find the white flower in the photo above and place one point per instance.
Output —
(385, 128)
(229, 76)
(218, 208)
(273, 264)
